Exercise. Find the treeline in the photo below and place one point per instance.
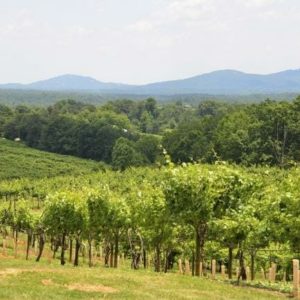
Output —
(264, 133)
(12, 97)
(127, 133)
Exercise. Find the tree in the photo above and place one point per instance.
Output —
(124, 155)
(147, 123)
(149, 146)
(191, 141)
(58, 135)
(271, 133)
(231, 138)
(5, 114)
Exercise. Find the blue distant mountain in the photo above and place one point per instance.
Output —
(218, 82)
(73, 82)
(66, 82)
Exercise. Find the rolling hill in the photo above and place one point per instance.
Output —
(230, 82)
(19, 161)
(224, 82)
(67, 82)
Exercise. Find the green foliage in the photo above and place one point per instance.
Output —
(149, 147)
(248, 134)
(65, 213)
(124, 155)
(191, 141)
(20, 218)
(191, 194)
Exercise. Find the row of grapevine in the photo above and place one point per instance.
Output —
(188, 211)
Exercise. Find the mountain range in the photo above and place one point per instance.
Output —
(225, 82)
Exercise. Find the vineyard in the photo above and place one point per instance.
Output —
(19, 161)
(224, 222)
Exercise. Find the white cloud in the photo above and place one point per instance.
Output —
(142, 26)
(269, 14)
(190, 9)
(81, 31)
(22, 24)
(181, 12)
(96, 5)
(258, 3)
(7, 29)
(23, 13)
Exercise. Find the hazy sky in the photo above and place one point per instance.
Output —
(138, 41)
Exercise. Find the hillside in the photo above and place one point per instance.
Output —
(19, 161)
(68, 82)
(221, 82)
(73, 82)
(230, 82)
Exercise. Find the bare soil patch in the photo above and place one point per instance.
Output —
(91, 288)
(81, 287)
(15, 271)
(49, 282)
(10, 271)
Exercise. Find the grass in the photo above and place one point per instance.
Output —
(20, 279)
(19, 161)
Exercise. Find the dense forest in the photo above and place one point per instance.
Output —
(127, 133)
(13, 97)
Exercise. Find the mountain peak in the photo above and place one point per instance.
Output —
(71, 82)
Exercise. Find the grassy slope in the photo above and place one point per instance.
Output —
(21, 279)
(19, 161)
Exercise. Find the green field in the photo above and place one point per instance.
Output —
(19, 161)
(20, 279)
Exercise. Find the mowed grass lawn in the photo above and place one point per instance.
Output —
(20, 279)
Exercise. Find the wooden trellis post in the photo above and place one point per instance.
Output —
(284, 277)
(35, 247)
(100, 253)
(248, 273)
(263, 275)
(180, 266)
(237, 271)
(213, 269)
(4, 246)
(273, 272)
(296, 278)
(15, 248)
(270, 274)
(49, 255)
(187, 267)
(223, 269)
